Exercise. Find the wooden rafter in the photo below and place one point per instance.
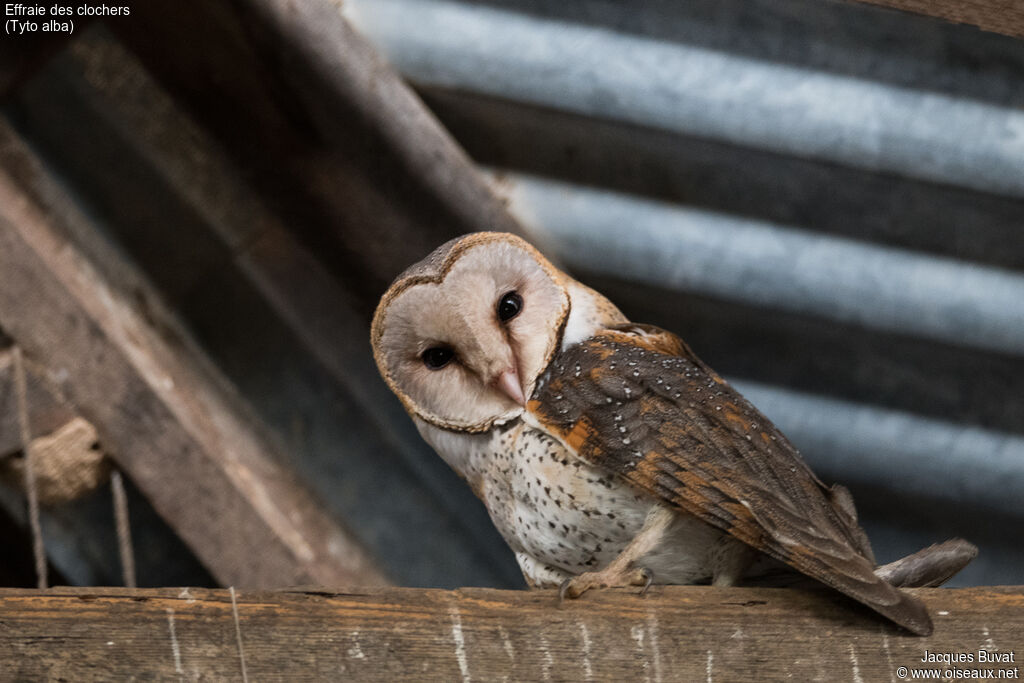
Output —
(356, 163)
(170, 420)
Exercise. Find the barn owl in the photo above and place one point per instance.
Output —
(608, 454)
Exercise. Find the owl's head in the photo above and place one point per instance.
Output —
(462, 336)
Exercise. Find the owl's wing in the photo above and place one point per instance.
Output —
(634, 400)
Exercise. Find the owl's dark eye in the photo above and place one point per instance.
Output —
(509, 306)
(436, 357)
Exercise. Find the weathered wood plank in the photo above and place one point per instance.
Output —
(159, 407)
(998, 16)
(674, 633)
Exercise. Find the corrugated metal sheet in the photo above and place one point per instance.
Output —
(824, 198)
(679, 87)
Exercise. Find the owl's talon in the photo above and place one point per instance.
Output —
(565, 589)
(648, 577)
(575, 586)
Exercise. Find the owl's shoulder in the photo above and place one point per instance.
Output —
(590, 313)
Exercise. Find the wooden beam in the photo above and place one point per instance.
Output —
(170, 420)
(376, 445)
(692, 633)
(998, 16)
(348, 155)
(295, 282)
(356, 74)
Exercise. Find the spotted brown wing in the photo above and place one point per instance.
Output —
(637, 402)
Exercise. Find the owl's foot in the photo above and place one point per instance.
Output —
(607, 578)
(623, 570)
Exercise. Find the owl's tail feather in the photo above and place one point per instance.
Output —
(930, 567)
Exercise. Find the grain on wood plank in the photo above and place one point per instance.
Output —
(997, 16)
(167, 416)
(684, 633)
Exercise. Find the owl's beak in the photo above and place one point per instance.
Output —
(508, 383)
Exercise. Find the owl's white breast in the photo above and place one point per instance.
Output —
(544, 501)
(537, 492)
(554, 510)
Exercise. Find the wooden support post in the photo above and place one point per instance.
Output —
(692, 633)
(170, 420)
